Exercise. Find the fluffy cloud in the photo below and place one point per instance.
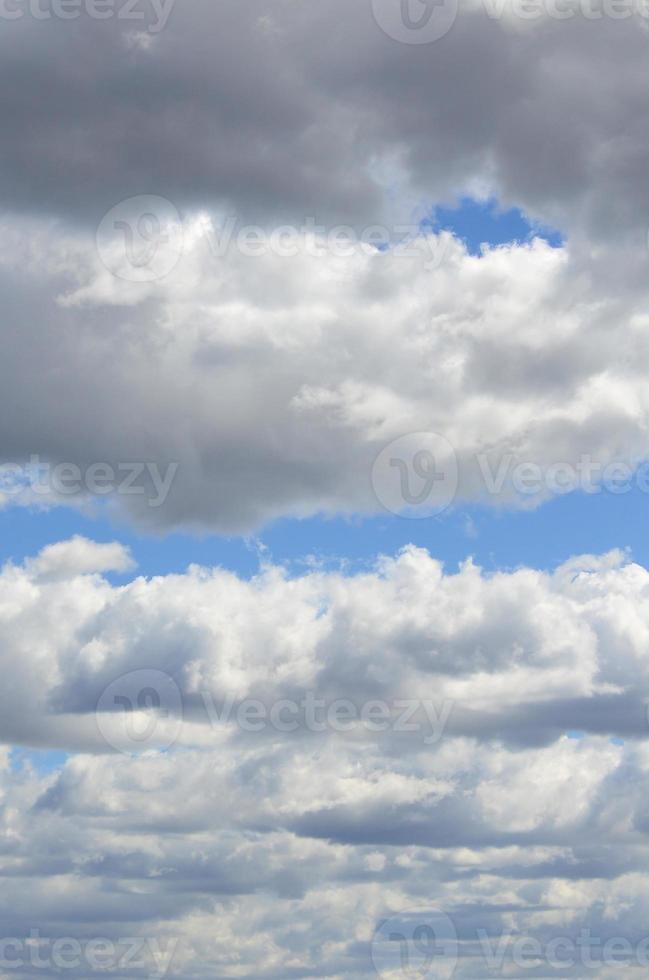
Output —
(272, 852)
(249, 387)
(273, 383)
(521, 656)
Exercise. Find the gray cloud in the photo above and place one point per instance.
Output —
(295, 109)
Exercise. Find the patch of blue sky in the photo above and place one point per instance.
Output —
(479, 223)
(564, 526)
(42, 762)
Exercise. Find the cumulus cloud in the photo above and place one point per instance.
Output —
(521, 656)
(254, 386)
(78, 556)
(273, 381)
(213, 845)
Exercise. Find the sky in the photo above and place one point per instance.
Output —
(324, 572)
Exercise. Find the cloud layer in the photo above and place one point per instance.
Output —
(232, 836)
(290, 109)
(261, 385)
(274, 381)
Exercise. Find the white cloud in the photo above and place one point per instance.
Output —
(271, 852)
(275, 387)
(522, 656)
(78, 556)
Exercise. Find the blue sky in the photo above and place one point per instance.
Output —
(564, 526)
(485, 222)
